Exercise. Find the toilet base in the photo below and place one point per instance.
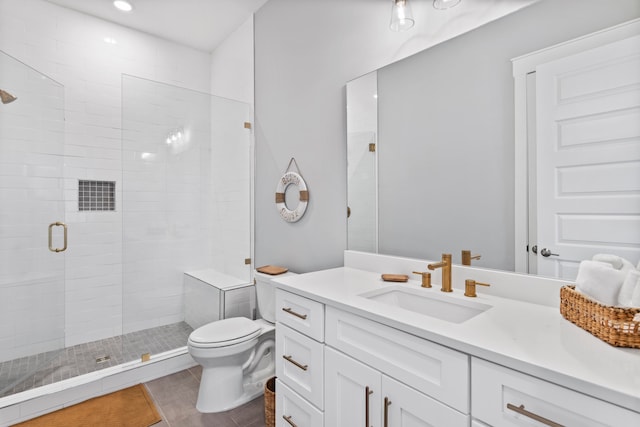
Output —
(236, 390)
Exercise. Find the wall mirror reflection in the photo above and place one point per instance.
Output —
(454, 165)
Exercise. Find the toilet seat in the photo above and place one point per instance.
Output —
(223, 333)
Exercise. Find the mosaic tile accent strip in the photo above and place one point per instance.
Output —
(96, 195)
(30, 372)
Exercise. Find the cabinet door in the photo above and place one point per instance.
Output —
(406, 407)
(353, 392)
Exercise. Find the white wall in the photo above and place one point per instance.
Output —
(306, 51)
(232, 65)
(70, 48)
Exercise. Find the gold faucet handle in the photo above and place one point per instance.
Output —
(467, 257)
(426, 278)
(470, 287)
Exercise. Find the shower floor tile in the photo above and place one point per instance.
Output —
(41, 369)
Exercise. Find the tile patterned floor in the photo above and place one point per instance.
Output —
(45, 368)
(175, 396)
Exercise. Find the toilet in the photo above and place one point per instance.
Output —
(236, 354)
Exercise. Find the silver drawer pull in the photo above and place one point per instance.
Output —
(287, 418)
(299, 365)
(290, 311)
(520, 410)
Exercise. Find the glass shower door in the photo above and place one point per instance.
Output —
(186, 205)
(32, 230)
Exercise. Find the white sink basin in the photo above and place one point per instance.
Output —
(430, 302)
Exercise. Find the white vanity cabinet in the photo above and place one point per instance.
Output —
(503, 397)
(516, 364)
(299, 357)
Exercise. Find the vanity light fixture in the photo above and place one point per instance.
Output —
(445, 4)
(401, 17)
(123, 5)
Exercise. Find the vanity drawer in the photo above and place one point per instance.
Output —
(300, 364)
(435, 370)
(493, 387)
(300, 313)
(291, 407)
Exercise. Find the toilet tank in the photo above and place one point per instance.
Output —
(210, 295)
(266, 294)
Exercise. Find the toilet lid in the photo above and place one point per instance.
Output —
(225, 332)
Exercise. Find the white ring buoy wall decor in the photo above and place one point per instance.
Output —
(291, 178)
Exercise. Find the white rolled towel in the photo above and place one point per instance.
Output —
(635, 299)
(600, 281)
(631, 282)
(616, 262)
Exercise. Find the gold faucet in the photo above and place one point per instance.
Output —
(467, 257)
(445, 264)
(470, 287)
(426, 278)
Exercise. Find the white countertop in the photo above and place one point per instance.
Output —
(531, 338)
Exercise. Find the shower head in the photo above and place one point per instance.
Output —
(6, 97)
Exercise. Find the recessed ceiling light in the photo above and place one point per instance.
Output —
(123, 5)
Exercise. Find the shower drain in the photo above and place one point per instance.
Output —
(103, 359)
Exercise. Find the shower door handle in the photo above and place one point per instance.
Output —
(57, 224)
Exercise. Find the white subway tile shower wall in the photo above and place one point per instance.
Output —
(70, 47)
(165, 188)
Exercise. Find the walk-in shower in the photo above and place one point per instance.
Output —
(6, 97)
(142, 210)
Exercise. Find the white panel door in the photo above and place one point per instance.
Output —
(403, 406)
(353, 392)
(588, 157)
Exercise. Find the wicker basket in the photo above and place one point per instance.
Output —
(270, 402)
(614, 325)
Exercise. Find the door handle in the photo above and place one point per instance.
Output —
(547, 253)
(367, 393)
(534, 249)
(57, 224)
(387, 402)
(298, 364)
(287, 418)
(293, 313)
(520, 410)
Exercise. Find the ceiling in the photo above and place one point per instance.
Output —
(201, 24)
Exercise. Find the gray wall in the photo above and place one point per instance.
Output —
(305, 52)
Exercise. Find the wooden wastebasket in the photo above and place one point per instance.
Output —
(270, 402)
